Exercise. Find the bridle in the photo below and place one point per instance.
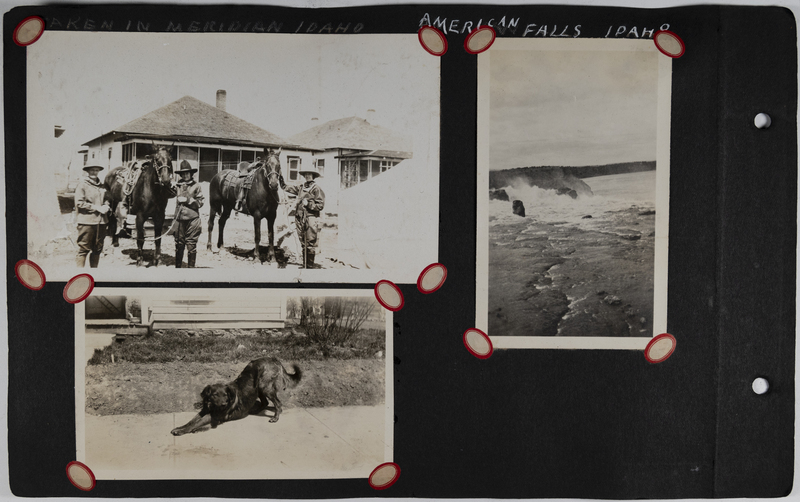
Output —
(272, 167)
(272, 171)
(159, 168)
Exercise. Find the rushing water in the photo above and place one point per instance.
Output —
(550, 271)
(611, 193)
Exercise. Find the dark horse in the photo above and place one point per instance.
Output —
(147, 200)
(262, 199)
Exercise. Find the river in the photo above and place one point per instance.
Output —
(574, 267)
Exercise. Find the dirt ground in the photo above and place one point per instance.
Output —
(306, 443)
(237, 251)
(127, 388)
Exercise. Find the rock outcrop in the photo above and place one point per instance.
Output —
(498, 194)
(548, 178)
(566, 180)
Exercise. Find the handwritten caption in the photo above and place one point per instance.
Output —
(507, 25)
(504, 25)
(89, 24)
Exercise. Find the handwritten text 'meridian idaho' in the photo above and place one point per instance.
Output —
(89, 24)
(511, 25)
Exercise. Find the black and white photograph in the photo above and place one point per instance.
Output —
(234, 156)
(573, 198)
(233, 383)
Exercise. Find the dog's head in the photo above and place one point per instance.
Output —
(218, 396)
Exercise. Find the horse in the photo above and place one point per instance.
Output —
(147, 200)
(262, 199)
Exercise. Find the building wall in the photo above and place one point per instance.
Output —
(329, 182)
(98, 153)
(199, 156)
(238, 310)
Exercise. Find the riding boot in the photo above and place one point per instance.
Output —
(192, 257)
(178, 256)
(310, 259)
(80, 261)
(94, 260)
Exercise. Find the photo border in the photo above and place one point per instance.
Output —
(164, 292)
(660, 279)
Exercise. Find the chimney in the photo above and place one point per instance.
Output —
(370, 115)
(222, 97)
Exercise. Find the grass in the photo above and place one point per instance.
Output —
(215, 346)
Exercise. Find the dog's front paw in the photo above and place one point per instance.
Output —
(177, 432)
(273, 420)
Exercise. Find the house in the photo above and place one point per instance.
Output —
(351, 150)
(208, 137)
(233, 309)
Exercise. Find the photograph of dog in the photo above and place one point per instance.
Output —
(249, 394)
(151, 352)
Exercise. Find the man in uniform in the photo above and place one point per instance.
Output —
(187, 214)
(92, 205)
(310, 201)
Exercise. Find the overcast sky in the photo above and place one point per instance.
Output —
(572, 108)
(91, 83)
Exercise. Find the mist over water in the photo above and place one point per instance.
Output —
(611, 193)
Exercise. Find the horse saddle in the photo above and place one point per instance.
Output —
(131, 176)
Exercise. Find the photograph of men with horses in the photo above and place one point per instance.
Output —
(573, 193)
(306, 152)
(248, 383)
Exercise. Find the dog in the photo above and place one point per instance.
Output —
(260, 380)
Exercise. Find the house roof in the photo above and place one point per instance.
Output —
(192, 118)
(352, 133)
(392, 154)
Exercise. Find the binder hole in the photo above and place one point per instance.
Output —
(760, 386)
(763, 121)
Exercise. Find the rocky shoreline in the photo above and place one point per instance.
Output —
(560, 279)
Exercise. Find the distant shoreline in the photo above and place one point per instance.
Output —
(576, 171)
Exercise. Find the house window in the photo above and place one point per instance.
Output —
(387, 164)
(363, 170)
(209, 164)
(85, 158)
(321, 167)
(374, 168)
(294, 167)
(230, 158)
(109, 153)
(348, 172)
(248, 156)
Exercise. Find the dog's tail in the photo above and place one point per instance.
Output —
(292, 379)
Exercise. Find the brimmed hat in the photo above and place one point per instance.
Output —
(186, 168)
(92, 166)
(310, 170)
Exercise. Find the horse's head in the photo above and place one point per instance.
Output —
(272, 168)
(162, 162)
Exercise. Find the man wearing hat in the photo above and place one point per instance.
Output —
(310, 201)
(92, 204)
(187, 214)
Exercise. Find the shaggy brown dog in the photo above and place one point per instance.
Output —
(259, 381)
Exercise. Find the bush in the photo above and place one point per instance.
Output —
(331, 322)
